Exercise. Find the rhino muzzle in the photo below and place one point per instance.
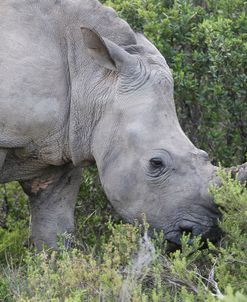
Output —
(204, 225)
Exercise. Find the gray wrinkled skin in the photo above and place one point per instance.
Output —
(77, 85)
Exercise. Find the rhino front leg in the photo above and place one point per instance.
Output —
(52, 201)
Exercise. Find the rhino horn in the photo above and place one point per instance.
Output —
(239, 172)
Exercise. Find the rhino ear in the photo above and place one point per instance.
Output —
(105, 52)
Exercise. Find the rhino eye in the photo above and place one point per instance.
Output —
(156, 163)
(159, 165)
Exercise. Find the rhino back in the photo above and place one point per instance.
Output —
(34, 76)
(33, 84)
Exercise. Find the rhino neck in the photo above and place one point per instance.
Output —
(92, 88)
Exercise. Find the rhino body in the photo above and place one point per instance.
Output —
(78, 85)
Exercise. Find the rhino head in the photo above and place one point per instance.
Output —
(145, 161)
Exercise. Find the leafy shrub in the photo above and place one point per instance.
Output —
(127, 266)
(93, 211)
(14, 227)
(232, 254)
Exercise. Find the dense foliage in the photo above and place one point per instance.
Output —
(205, 44)
(112, 261)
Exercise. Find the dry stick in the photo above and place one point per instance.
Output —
(212, 281)
(141, 262)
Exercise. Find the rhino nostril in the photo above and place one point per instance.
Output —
(185, 227)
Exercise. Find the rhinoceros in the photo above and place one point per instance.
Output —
(78, 86)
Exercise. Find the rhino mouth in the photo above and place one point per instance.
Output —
(204, 224)
(212, 233)
(193, 224)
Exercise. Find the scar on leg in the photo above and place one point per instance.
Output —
(41, 184)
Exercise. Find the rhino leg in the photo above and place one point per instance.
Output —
(52, 201)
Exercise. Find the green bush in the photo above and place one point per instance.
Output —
(93, 211)
(127, 266)
(205, 44)
(14, 227)
(232, 254)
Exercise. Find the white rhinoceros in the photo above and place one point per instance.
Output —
(78, 85)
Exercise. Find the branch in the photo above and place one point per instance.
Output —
(212, 281)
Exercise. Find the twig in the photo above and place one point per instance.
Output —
(211, 280)
(141, 263)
